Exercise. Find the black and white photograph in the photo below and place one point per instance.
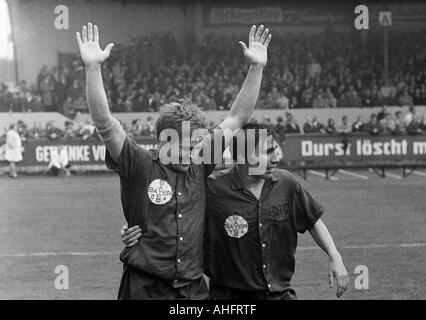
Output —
(232, 152)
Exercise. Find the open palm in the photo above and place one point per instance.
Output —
(256, 53)
(88, 42)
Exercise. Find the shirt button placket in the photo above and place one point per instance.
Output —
(180, 232)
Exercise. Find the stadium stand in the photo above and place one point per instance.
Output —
(333, 69)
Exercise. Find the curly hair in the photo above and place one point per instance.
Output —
(173, 114)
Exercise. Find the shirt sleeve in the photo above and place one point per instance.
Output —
(133, 163)
(307, 209)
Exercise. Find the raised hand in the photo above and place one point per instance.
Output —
(256, 53)
(90, 51)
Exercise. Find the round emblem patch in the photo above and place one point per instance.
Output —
(236, 226)
(159, 192)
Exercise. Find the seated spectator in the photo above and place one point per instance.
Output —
(266, 119)
(388, 124)
(358, 125)
(87, 130)
(69, 108)
(136, 128)
(373, 127)
(405, 99)
(423, 123)
(400, 127)
(69, 132)
(51, 132)
(312, 125)
(151, 126)
(388, 93)
(381, 115)
(282, 101)
(313, 69)
(330, 100)
(366, 98)
(35, 132)
(280, 129)
(291, 125)
(345, 127)
(294, 103)
(331, 126)
(354, 100)
(414, 128)
(412, 113)
(319, 101)
(35, 103)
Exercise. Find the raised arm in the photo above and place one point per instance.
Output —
(243, 106)
(92, 55)
(323, 239)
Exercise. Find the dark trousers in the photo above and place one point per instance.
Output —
(138, 285)
(218, 292)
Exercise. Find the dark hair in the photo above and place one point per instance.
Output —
(270, 131)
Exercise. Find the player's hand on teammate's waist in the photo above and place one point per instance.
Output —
(88, 43)
(256, 52)
(130, 236)
(339, 275)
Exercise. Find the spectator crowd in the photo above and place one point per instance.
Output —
(381, 123)
(325, 70)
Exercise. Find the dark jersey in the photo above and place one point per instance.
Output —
(251, 243)
(169, 206)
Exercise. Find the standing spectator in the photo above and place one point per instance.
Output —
(13, 149)
(47, 86)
